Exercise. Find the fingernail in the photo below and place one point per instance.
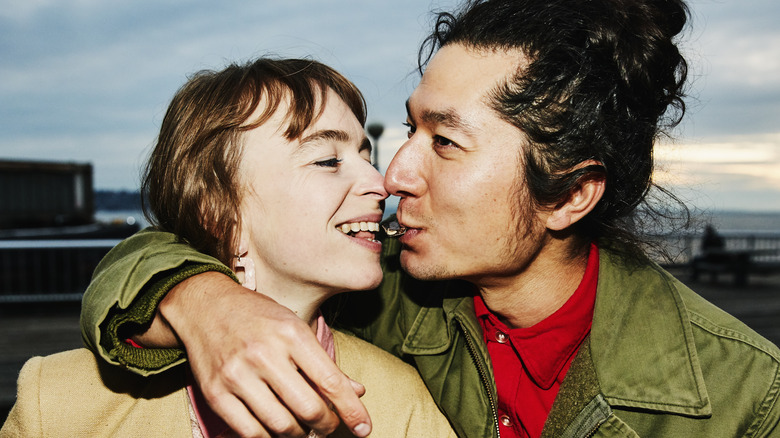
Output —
(361, 429)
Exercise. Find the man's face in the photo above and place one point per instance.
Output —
(459, 176)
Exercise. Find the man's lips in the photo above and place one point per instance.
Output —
(407, 230)
(410, 235)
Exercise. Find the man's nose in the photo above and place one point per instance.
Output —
(403, 175)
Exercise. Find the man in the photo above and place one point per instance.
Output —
(532, 311)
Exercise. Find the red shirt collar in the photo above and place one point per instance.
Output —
(546, 347)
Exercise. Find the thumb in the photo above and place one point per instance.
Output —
(359, 389)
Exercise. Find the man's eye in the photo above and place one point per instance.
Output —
(410, 129)
(443, 141)
(331, 162)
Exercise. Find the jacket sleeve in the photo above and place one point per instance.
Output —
(24, 420)
(126, 288)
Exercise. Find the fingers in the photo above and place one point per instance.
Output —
(273, 419)
(276, 402)
(335, 387)
(358, 387)
(305, 383)
(240, 421)
(281, 400)
(260, 367)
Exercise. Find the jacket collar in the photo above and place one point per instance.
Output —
(641, 341)
(642, 344)
(433, 330)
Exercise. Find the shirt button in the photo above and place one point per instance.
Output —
(501, 337)
(506, 421)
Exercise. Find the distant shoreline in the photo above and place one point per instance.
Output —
(725, 221)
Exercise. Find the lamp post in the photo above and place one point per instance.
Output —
(375, 130)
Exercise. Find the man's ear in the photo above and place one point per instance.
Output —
(582, 199)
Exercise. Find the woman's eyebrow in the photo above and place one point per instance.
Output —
(326, 134)
(338, 135)
(316, 138)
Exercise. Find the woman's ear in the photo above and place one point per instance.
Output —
(244, 266)
(582, 199)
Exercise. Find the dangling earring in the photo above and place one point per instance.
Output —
(247, 265)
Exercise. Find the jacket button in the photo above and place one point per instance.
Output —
(501, 337)
(506, 421)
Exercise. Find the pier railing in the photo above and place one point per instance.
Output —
(48, 270)
(682, 248)
(60, 270)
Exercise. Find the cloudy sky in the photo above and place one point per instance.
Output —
(89, 80)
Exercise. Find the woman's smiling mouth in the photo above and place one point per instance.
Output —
(362, 230)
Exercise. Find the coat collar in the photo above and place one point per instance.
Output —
(641, 343)
(433, 330)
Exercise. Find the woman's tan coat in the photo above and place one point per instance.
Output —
(73, 394)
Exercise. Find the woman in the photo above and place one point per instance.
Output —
(266, 167)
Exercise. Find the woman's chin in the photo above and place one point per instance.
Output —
(368, 282)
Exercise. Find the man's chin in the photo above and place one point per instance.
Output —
(421, 269)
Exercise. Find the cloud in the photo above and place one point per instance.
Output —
(741, 172)
(734, 49)
(105, 71)
(89, 80)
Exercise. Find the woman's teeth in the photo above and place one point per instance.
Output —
(355, 227)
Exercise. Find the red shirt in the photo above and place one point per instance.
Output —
(530, 363)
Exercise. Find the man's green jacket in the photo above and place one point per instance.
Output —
(660, 360)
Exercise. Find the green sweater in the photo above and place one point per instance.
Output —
(660, 360)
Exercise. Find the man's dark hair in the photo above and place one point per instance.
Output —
(605, 79)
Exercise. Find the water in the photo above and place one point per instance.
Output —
(734, 221)
(727, 221)
(122, 216)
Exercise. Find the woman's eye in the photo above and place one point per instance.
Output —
(331, 162)
(366, 154)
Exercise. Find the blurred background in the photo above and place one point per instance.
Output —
(84, 85)
(89, 81)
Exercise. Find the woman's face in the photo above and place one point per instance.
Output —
(301, 196)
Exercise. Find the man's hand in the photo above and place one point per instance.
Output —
(260, 367)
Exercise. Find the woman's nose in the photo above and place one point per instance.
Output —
(373, 182)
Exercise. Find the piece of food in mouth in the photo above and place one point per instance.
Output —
(394, 229)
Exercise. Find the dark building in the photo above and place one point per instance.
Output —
(45, 194)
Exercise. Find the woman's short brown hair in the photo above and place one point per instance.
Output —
(190, 185)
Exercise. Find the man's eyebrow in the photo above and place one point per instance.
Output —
(448, 118)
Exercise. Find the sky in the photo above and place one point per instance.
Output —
(89, 80)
